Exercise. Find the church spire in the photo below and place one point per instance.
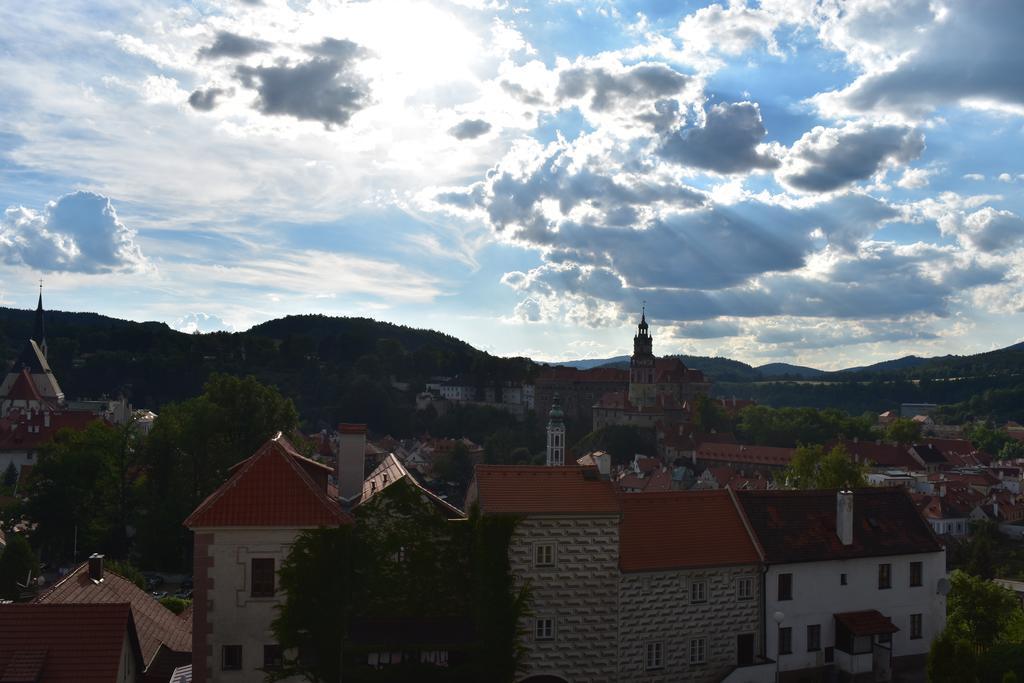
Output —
(39, 328)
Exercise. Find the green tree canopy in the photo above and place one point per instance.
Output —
(191, 448)
(16, 563)
(813, 468)
(903, 431)
(82, 486)
(979, 611)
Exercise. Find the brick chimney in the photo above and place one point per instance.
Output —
(351, 464)
(844, 517)
(96, 568)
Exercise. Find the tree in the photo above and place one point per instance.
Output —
(1011, 450)
(951, 660)
(82, 491)
(319, 582)
(456, 465)
(987, 438)
(903, 431)
(127, 570)
(813, 468)
(16, 564)
(10, 476)
(979, 611)
(192, 446)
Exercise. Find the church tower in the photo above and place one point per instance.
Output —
(642, 387)
(556, 434)
(30, 383)
(39, 326)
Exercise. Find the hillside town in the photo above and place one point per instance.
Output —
(704, 559)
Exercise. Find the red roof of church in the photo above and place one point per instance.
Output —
(24, 389)
(64, 643)
(30, 433)
(271, 488)
(683, 529)
(525, 489)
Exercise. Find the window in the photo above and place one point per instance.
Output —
(745, 589)
(814, 637)
(916, 573)
(699, 591)
(915, 626)
(698, 650)
(231, 658)
(785, 640)
(435, 657)
(545, 629)
(262, 577)
(655, 658)
(544, 555)
(830, 655)
(272, 657)
(785, 586)
(884, 576)
(842, 579)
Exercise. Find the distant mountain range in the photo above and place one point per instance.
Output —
(721, 369)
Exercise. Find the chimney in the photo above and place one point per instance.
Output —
(604, 464)
(95, 567)
(844, 517)
(351, 461)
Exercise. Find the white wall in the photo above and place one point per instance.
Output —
(818, 594)
(235, 617)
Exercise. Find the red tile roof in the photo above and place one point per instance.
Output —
(881, 454)
(272, 488)
(741, 453)
(64, 643)
(22, 438)
(682, 530)
(523, 489)
(24, 389)
(154, 623)
(869, 622)
(800, 526)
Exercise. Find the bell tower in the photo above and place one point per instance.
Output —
(641, 366)
(556, 434)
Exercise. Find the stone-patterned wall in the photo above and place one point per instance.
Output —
(656, 606)
(580, 593)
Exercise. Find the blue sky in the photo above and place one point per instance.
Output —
(818, 182)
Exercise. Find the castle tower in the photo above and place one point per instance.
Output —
(642, 387)
(556, 434)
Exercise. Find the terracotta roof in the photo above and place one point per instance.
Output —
(881, 454)
(524, 489)
(64, 643)
(24, 389)
(389, 472)
(272, 488)
(800, 526)
(681, 530)
(30, 433)
(154, 623)
(867, 622)
(753, 455)
(928, 453)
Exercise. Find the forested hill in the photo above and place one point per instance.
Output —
(331, 367)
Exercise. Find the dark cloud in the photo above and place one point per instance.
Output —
(336, 48)
(993, 231)
(205, 100)
(324, 89)
(827, 159)
(972, 52)
(469, 129)
(227, 44)
(80, 232)
(726, 143)
(707, 329)
(611, 90)
(531, 97)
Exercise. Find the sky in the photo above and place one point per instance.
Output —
(816, 182)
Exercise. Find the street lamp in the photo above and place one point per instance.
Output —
(778, 617)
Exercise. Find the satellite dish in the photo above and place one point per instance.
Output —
(943, 587)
